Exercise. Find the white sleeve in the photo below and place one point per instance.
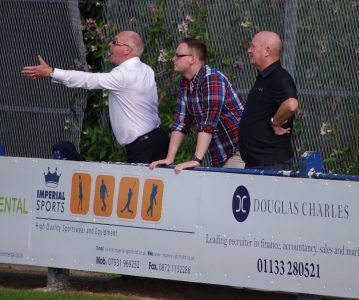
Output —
(110, 81)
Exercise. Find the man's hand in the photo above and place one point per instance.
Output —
(186, 165)
(42, 70)
(165, 161)
(279, 130)
(178, 168)
(285, 111)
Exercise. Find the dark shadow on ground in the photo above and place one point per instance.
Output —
(27, 277)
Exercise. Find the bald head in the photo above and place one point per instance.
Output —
(271, 40)
(265, 49)
(126, 45)
(134, 40)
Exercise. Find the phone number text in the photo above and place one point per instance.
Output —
(170, 268)
(118, 262)
(289, 268)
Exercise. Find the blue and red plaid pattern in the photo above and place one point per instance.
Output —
(216, 107)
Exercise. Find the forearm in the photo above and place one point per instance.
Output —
(77, 79)
(175, 142)
(285, 111)
(203, 141)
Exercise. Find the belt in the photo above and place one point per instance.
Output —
(142, 138)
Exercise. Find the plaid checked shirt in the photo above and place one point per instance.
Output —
(213, 103)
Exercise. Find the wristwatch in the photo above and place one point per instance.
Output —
(195, 158)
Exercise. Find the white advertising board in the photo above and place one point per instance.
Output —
(262, 232)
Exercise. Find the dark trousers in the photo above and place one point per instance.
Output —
(276, 166)
(148, 147)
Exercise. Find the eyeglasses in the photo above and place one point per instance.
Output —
(116, 43)
(177, 55)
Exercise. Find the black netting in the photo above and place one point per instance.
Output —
(35, 114)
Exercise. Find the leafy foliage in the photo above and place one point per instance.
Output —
(97, 141)
(325, 60)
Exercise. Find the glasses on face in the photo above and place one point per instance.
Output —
(116, 43)
(177, 55)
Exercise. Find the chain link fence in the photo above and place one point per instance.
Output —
(320, 50)
(35, 114)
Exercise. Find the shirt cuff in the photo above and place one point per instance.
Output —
(58, 76)
(206, 128)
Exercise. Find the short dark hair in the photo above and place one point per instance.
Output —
(198, 46)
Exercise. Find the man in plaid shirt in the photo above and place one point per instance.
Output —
(207, 97)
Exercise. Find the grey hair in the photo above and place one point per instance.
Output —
(136, 43)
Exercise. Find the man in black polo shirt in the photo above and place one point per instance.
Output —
(265, 127)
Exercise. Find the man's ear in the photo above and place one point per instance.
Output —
(128, 50)
(268, 51)
(194, 59)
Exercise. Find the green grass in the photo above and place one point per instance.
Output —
(10, 294)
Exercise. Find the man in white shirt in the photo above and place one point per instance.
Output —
(133, 99)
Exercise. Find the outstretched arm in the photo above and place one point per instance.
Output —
(42, 70)
(114, 80)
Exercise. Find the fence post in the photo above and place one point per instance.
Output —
(290, 36)
(310, 162)
(58, 278)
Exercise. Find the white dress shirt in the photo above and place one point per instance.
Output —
(133, 99)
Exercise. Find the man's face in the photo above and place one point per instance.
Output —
(257, 52)
(183, 58)
(118, 49)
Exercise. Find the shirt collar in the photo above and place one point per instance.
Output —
(130, 61)
(201, 72)
(270, 69)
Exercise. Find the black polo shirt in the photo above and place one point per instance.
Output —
(257, 142)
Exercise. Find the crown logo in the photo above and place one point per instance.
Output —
(51, 179)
